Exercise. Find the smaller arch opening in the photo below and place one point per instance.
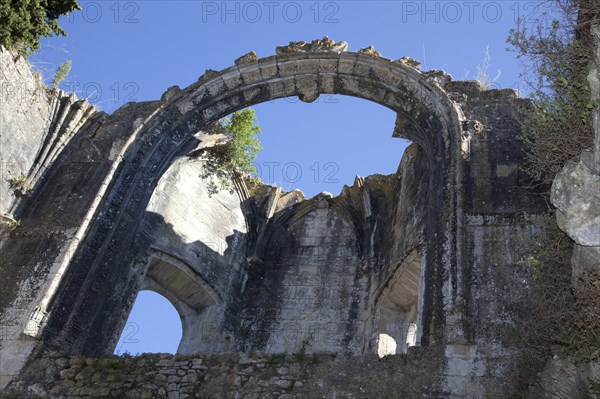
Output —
(194, 308)
(153, 326)
(398, 318)
(386, 345)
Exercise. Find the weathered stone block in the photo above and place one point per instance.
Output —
(576, 195)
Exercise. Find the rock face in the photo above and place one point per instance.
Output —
(576, 195)
(576, 191)
(426, 257)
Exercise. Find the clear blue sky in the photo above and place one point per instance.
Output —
(134, 50)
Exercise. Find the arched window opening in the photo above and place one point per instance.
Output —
(411, 337)
(193, 309)
(153, 326)
(399, 309)
(386, 345)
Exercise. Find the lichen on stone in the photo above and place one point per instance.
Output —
(247, 58)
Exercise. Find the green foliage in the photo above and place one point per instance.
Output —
(563, 319)
(316, 360)
(61, 73)
(275, 359)
(237, 155)
(595, 387)
(244, 146)
(560, 125)
(116, 365)
(550, 281)
(300, 355)
(290, 388)
(24, 22)
(13, 224)
(306, 342)
(20, 185)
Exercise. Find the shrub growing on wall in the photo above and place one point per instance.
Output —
(237, 154)
(558, 53)
(244, 145)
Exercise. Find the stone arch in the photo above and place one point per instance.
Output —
(426, 115)
(398, 307)
(196, 302)
(415, 97)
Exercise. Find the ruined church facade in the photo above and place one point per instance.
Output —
(423, 261)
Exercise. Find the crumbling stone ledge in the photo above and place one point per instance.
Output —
(247, 376)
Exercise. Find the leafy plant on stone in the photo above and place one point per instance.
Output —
(13, 224)
(61, 73)
(558, 52)
(306, 342)
(236, 156)
(275, 359)
(20, 185)
(564, 319)
(23, 23)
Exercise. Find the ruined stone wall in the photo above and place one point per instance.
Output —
(35, 124)
(322, 264)
(206, 230)
(437, 245)
(315, 269)
(116, 252)
(500, 217)
(279, 376)
(27, 106)
(58, 144)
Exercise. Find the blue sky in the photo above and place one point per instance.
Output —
(134, 50)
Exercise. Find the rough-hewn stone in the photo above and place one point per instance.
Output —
(231, 376)
(576, 195)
